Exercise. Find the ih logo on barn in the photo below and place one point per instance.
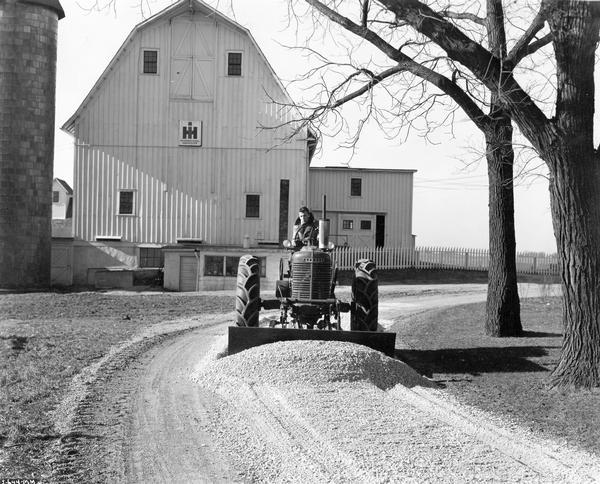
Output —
(190, 133)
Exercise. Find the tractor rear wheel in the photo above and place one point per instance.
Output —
(365, 297)
(247, 298)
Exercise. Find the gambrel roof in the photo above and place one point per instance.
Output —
(179, 7)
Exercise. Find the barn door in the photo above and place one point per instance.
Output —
(192, 59)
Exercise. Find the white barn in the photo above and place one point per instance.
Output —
(172, 162)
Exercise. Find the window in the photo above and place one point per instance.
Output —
(151, 257)
(365, 225)
(55, 196)
(252, 206)
(213, 265)
(150, 62)
(355, 187)
(218, 265)
(347, 224)
(126, 202)
(234, 63)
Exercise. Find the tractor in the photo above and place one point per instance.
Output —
(305, 297)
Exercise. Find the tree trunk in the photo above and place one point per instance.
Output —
(575, 192)
(575, 200)
(503, 312)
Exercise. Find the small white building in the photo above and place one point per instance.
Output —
(173, 164)
(62, 199)
(62, 233)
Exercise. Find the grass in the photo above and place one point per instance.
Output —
(506, 376)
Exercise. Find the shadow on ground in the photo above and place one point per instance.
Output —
(474, 361)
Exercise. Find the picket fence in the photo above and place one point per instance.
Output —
(440, 258)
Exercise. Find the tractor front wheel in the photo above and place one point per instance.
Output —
(365, 297)
(247, 300)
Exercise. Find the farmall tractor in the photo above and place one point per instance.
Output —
(305, 297)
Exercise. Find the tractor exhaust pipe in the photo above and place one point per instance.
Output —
(324, 227)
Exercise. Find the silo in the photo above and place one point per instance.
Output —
(28, 38)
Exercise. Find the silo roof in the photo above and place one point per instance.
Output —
(52, 4)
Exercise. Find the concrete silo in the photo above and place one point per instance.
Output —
(28, 36)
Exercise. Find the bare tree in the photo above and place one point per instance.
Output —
(420, 57)
(564, 141)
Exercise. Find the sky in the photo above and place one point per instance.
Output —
(450, 207)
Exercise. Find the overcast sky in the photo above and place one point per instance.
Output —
(450, 198)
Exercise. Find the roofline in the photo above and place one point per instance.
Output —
(69, 125)
(51, 4)
(362, 169)
(65, 185)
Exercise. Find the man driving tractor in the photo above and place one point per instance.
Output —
(306, 230)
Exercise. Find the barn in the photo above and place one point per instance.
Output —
(186, 156)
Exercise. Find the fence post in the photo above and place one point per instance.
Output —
(467, 260)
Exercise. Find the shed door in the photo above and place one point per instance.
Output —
(188, 273)
(62, 272)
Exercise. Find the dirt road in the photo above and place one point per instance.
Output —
(172, 414)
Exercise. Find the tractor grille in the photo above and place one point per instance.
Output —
(311, 280)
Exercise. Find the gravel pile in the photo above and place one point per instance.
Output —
(314, 363)
(336, 412)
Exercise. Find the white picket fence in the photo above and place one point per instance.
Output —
(440, 258)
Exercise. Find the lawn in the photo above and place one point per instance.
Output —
(48, 338)
(507, 376)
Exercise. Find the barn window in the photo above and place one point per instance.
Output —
(218, 265)
(355, 187)
(151, 257)
(126, 202)
(234, 63)
(150, 62)
(55, 196)
(347, 224)
(252, 206)
(365, 225)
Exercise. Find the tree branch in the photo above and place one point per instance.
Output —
(486, 67)
(463, 16)
(365, 13)
(524, 45)
(408, 64)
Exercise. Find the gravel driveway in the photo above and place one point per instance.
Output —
(300, 412)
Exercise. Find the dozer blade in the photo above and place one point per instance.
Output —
(241, 338)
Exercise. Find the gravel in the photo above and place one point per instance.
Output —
(316, 411)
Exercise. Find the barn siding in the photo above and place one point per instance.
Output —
(127, 138)
(386, 192)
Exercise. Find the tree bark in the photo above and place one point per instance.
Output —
(503, 311)
(575, 192)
